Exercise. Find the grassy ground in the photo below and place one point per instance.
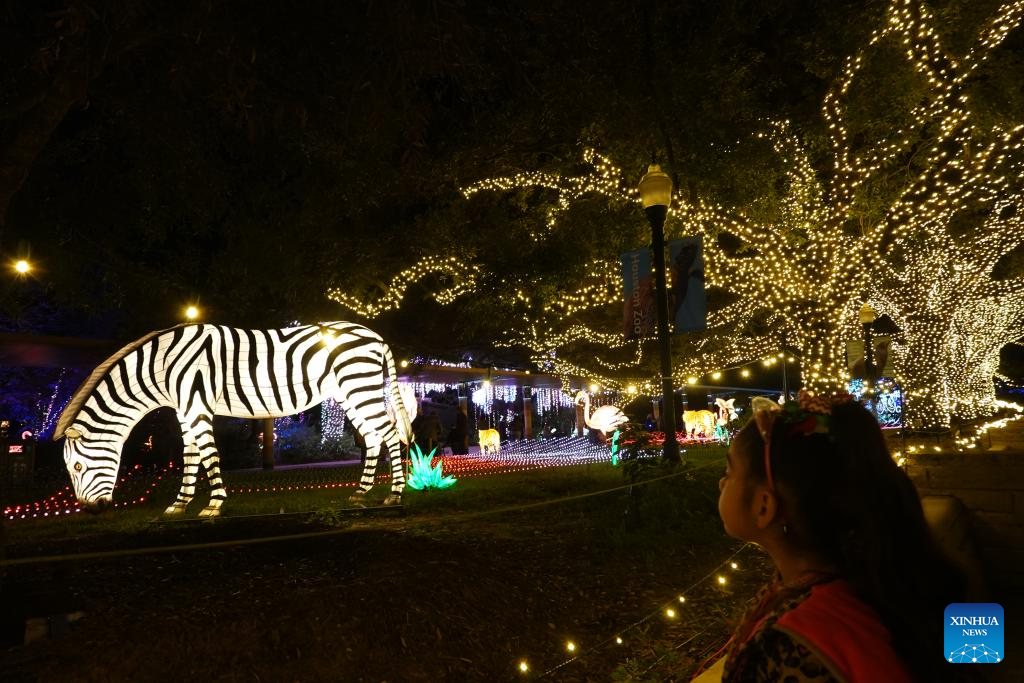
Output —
(451, 591)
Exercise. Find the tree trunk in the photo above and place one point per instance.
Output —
(922, 371)
(822, 358)
(972, 387)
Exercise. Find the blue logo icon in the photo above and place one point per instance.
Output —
(974, 633)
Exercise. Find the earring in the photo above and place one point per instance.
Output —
(785, 529)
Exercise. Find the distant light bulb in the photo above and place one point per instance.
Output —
(716, 375)
(593, 388)
(734, 565)
(22, 266)
(670, 613)
(191, 312)
(745, 372)
(523, 667)
(682, 599)
(618, 639)
(721, 580)
(570, 646)
(405, 363)
(691, 380)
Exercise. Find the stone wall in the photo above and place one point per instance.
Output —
(990, 484)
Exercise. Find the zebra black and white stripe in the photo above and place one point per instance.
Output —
(206, 370)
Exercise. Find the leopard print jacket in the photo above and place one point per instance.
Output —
(772, 656)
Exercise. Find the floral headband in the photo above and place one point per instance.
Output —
(808, 414)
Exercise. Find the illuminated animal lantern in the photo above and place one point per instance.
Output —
(490, 441)
(699, 423)
(605, 419)
(408, 402)
(726, 411)
(206, 370)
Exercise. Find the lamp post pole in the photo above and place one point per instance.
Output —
(867, 318)
(785, 379)
(656, 194)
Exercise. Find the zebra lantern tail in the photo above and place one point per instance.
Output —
(402, 420)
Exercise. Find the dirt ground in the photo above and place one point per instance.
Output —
(392, 600)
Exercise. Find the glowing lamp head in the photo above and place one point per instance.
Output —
(867, 314)
(524, 667)
(655, 187)
(691, 380)
(631, 389)
(93, 469)
(22, 266)
(404, 363)
(570, 646)
(593, 388)
(191, 312)
(716, 375)
(745, 372)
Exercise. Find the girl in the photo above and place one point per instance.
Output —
(861, 584)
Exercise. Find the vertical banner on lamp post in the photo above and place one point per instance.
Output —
(881, 346)
(638, 308)
(687, 301)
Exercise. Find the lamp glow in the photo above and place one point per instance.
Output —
(22, 266)
(191, 312)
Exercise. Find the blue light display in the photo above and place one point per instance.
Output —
(884, 401)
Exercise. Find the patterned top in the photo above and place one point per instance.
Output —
(768, 655)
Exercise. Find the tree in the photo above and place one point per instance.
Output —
(916, 212)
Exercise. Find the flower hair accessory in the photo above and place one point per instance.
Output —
(809, 414)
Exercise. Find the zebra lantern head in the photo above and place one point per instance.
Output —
(93, 470)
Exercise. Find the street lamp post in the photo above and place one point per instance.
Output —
(656, 195)
(867, 317)
(785, 379)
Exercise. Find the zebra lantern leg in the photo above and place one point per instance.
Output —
(188, 481)
(358, 499)
(393, 499)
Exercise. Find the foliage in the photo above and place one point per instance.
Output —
(423, 475)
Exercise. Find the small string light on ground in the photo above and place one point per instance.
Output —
(63, 502)
(669, 610)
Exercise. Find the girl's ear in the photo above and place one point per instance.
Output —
(766, 506)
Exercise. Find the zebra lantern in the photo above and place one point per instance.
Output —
(206, 370)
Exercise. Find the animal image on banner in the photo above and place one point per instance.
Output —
(687, 300)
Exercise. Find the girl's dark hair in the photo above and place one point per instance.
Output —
(844, 497)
